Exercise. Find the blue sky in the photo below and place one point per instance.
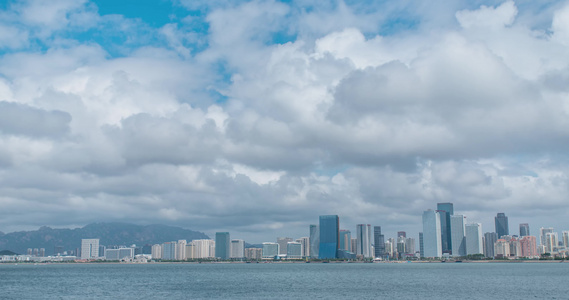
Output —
(255, 117)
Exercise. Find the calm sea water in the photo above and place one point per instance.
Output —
(286, 281)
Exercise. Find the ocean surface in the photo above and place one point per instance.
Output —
(286, 281)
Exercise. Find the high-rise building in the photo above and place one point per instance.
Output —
(378, 242)
(421, 245)
(89, 248)
(490, 239)
(181, 250)
(283, 242)
(203, 249)
(457, 228)
(474, 239)
(432, 234)
(542, 235)
(156, 251)
(565, 237)
(401, 247)
(329, 236)
(501, 248)
(363, 235)
(551, 242)
(270, 250)
(354, 244)
(222, 245)
(42, 252)
(501, 222)
(305, 241)
(169, 250)
(410, 245)
(314, 240)
(515, 247)
(524, 229)
(237, 249)
(294, 250)
(389, 248)
(253, 253)
(528, 244)
(345, 240)
(446, 210)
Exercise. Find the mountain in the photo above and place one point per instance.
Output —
(109, 234)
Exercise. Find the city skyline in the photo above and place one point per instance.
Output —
(251, 116)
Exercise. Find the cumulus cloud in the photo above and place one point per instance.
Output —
(284, 112)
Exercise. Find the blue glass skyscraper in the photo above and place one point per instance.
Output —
(329, 236)
(501, 222)
(446, 210)
(222, 245)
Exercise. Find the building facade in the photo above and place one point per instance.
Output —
(457, 227)
(329, 236)
(501, 223)
(237, 249)
(432, 234)
(89, 248)
(473, 239)
(222, 245)
(445, 211)
(314, 240)
(363, 236)
(524, 229)
(378, 242)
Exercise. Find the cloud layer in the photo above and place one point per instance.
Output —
(256, 117)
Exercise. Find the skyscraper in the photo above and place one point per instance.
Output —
(474, 239)
(501, 222)
(270, 250)
(294, 250)
(457, 228)
(490, 239)
(542, 235)
(305, 241)
(345, 240)
(524, 229)
(89, 248)
(565, 237)
(222, 245)
(529, 246)
(432, 234)
(446, 210)
(329, 236)
(363, 232)
(421, 245)
(378, 242)
(314, 240)
(237, 249)
(283, 243)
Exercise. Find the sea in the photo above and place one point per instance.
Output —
(286, 281)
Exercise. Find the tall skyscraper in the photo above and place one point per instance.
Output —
(329, 236)
(457, 228)
(542, 235)
(354, 244)
(551, 241)
(529, 246)
(314, 240)
(524, 229)
(565, 237)
(410, 246)
(363, 232)
(222, 245)
(432, 234)
(283, 243)
(490, 239)
(237, 249)
(345, 240)
(169, 250)
(446, 210)
(421, 245)
(89, 248)
(501, 222)
(474, 239)
(378, 242)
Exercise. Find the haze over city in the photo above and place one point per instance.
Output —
(256, 117)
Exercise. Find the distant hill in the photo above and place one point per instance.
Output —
(7, 252)
(108, 234)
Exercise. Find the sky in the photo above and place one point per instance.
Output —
(256, 117)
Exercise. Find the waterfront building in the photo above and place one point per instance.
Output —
(181, 250)
(270, 250)
(565, 237)
(421, 246)
(401, 247)
(457, 228)
(410, 246)
(203, 249)
(354, 245)
(551, 243)
(253, 253)
(283, 242)
(294, 250)
(515, 247)
(237, 249)
(501, 223)
(156, 252)
(378, 242)
(363, 247)
(528, 246)
(222, 245)
(445, 211)
(490, 239)
(305, 241)
(524, 229)
(345, 240)
(474, 239)
(502, 248)
(432, 234)
(314, 240)
(542, 235)
(169, 250)
(89, 248)
(191, 251)
(329, 236)
(389, 248)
